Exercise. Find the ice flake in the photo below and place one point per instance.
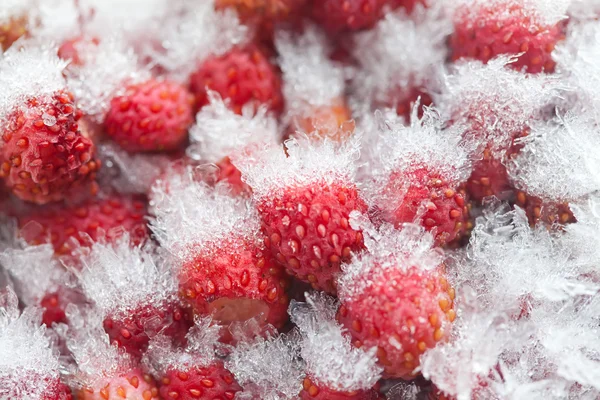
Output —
(129, 173)
(193, 31)
(31, 71)
(330, 358)
(15, 8)
(55, 20)
(184, 214)
(494, 100)
(106, 69)
(219, 132)
(560, 160)
(29, 369)
(265, 168)
(202, 340)
(387, 248)
(584, 9)
(120, 277)
(402, 52)
(310, 78)
(267, 369)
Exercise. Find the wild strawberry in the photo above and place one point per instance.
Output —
(387, 316)
(489, 178)
(223, 268)
(546, 212)
(304, 202)
(486, 29)
(133, 385)
(54, 309)
(43, 156)
(333, 121)
(312, 391)
(264, 9)
(348, 15)
(96, 218)
(194, 383)
(425, 196)
(69, 50)
(136, 303)
(230, 174)
(150, 116)
(242, 75)
(404, 102)
(327, 351)
(12, 30)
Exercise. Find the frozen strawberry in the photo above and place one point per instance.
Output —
(43, 154)
(136, 302)
(545, 212)
(11, 30)
(133, 385)
(193, 371)
(314, 94)
(219, 132)
(69, 50)
(262, 9)
(223, 268)
(96, 218)
(348, 15)
(304, 201)
(150, 116)
(426, 196)
(40, 280)
(30, 368)
(327, 351)
(396, 298)
(242, 75)
(489, 178)
(485, 29)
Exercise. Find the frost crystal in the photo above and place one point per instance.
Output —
(387, 248)
(28, 72)
(401, 53)
(267, 369)
(185, 211)
(560, 160)
(14, 9)
(266, 168)
(29, 369)
(35, 270)
(311, 79)
(193, 31)
(202, 339)
(106, 69)
(495, 101)
(330, 358)
(219, 132)
(526, 316)
(120, 277)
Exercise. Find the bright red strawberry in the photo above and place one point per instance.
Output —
(491, 28)
(150, 116)
(96, 217)
(348, 15)
(133, 331)
(242, 75)
(440, 207)
(44, 157)
(402, 314)
(312, 391)
(54, 309)
(308, 232)
(211, 382)
(489, 178)
(540, 211)
(133, 385)
(12, 30)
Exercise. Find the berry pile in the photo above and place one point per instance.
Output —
(299, 199)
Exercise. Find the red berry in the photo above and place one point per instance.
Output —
(402, 314)
(312, 391)
(487, 29)
(404, 102)
(12, 30)
(131, 385)
(133, 331)
(440, 207)
(489, 178)
(44, 156)
(242, 75)
(230, 174)
(108, 216)
(540, 211)
(150, 116)
(54, 309)
(236, 281)
(212, 382)
(348, 15)
(69, 50)
(308, 232)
